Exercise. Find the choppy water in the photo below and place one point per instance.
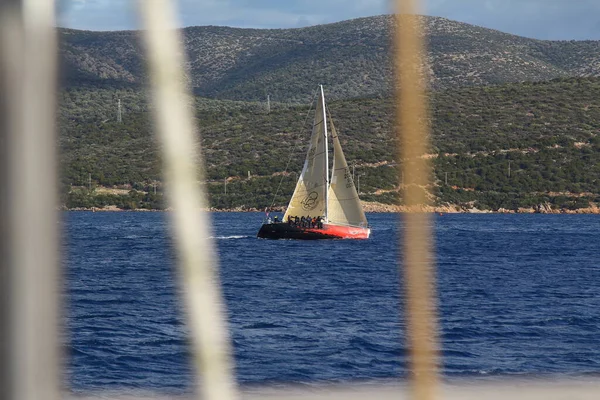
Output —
(519, 295)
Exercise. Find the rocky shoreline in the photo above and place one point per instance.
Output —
(456, 209)
(373, 207)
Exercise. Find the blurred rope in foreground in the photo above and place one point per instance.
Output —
(191, 225)
(29, 266)
(411, 100)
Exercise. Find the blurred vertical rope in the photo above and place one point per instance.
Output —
(191, 226)
(412, 117)
(28, 218)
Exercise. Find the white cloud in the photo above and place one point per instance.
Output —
(78, 4)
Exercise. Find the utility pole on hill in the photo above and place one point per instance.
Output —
(509, 168)
(90, 181)
(119, 113)
(359, 175)
(225, 187)
(268, 104)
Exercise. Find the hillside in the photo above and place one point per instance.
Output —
(508, 146)
(352, 58)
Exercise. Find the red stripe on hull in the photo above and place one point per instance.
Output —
(329, 231)
(343, 232)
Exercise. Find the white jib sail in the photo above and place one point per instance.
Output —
(309, 196)
(344, 206)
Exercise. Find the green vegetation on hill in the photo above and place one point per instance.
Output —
(546, 133)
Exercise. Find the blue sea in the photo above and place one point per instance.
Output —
(519, 295)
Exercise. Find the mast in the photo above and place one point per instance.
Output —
(326, 152)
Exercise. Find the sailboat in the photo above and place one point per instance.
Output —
(322, 207)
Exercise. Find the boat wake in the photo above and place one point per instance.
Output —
(229, 237)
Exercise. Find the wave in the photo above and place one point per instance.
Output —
(230, 237)
(262, 325)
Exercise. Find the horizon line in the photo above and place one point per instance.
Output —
(328, 23)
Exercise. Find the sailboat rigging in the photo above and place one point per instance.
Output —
(322, 207)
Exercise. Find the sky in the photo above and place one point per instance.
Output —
(540, 19)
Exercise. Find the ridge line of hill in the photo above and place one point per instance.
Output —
(352, 58)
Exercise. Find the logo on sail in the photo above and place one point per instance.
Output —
(310, 201)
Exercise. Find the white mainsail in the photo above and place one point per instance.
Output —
(310, 195)
(344, 206)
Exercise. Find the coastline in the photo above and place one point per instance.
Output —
(372, 207)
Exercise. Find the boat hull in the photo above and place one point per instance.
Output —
(329, 231)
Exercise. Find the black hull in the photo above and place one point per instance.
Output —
(287, 231)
